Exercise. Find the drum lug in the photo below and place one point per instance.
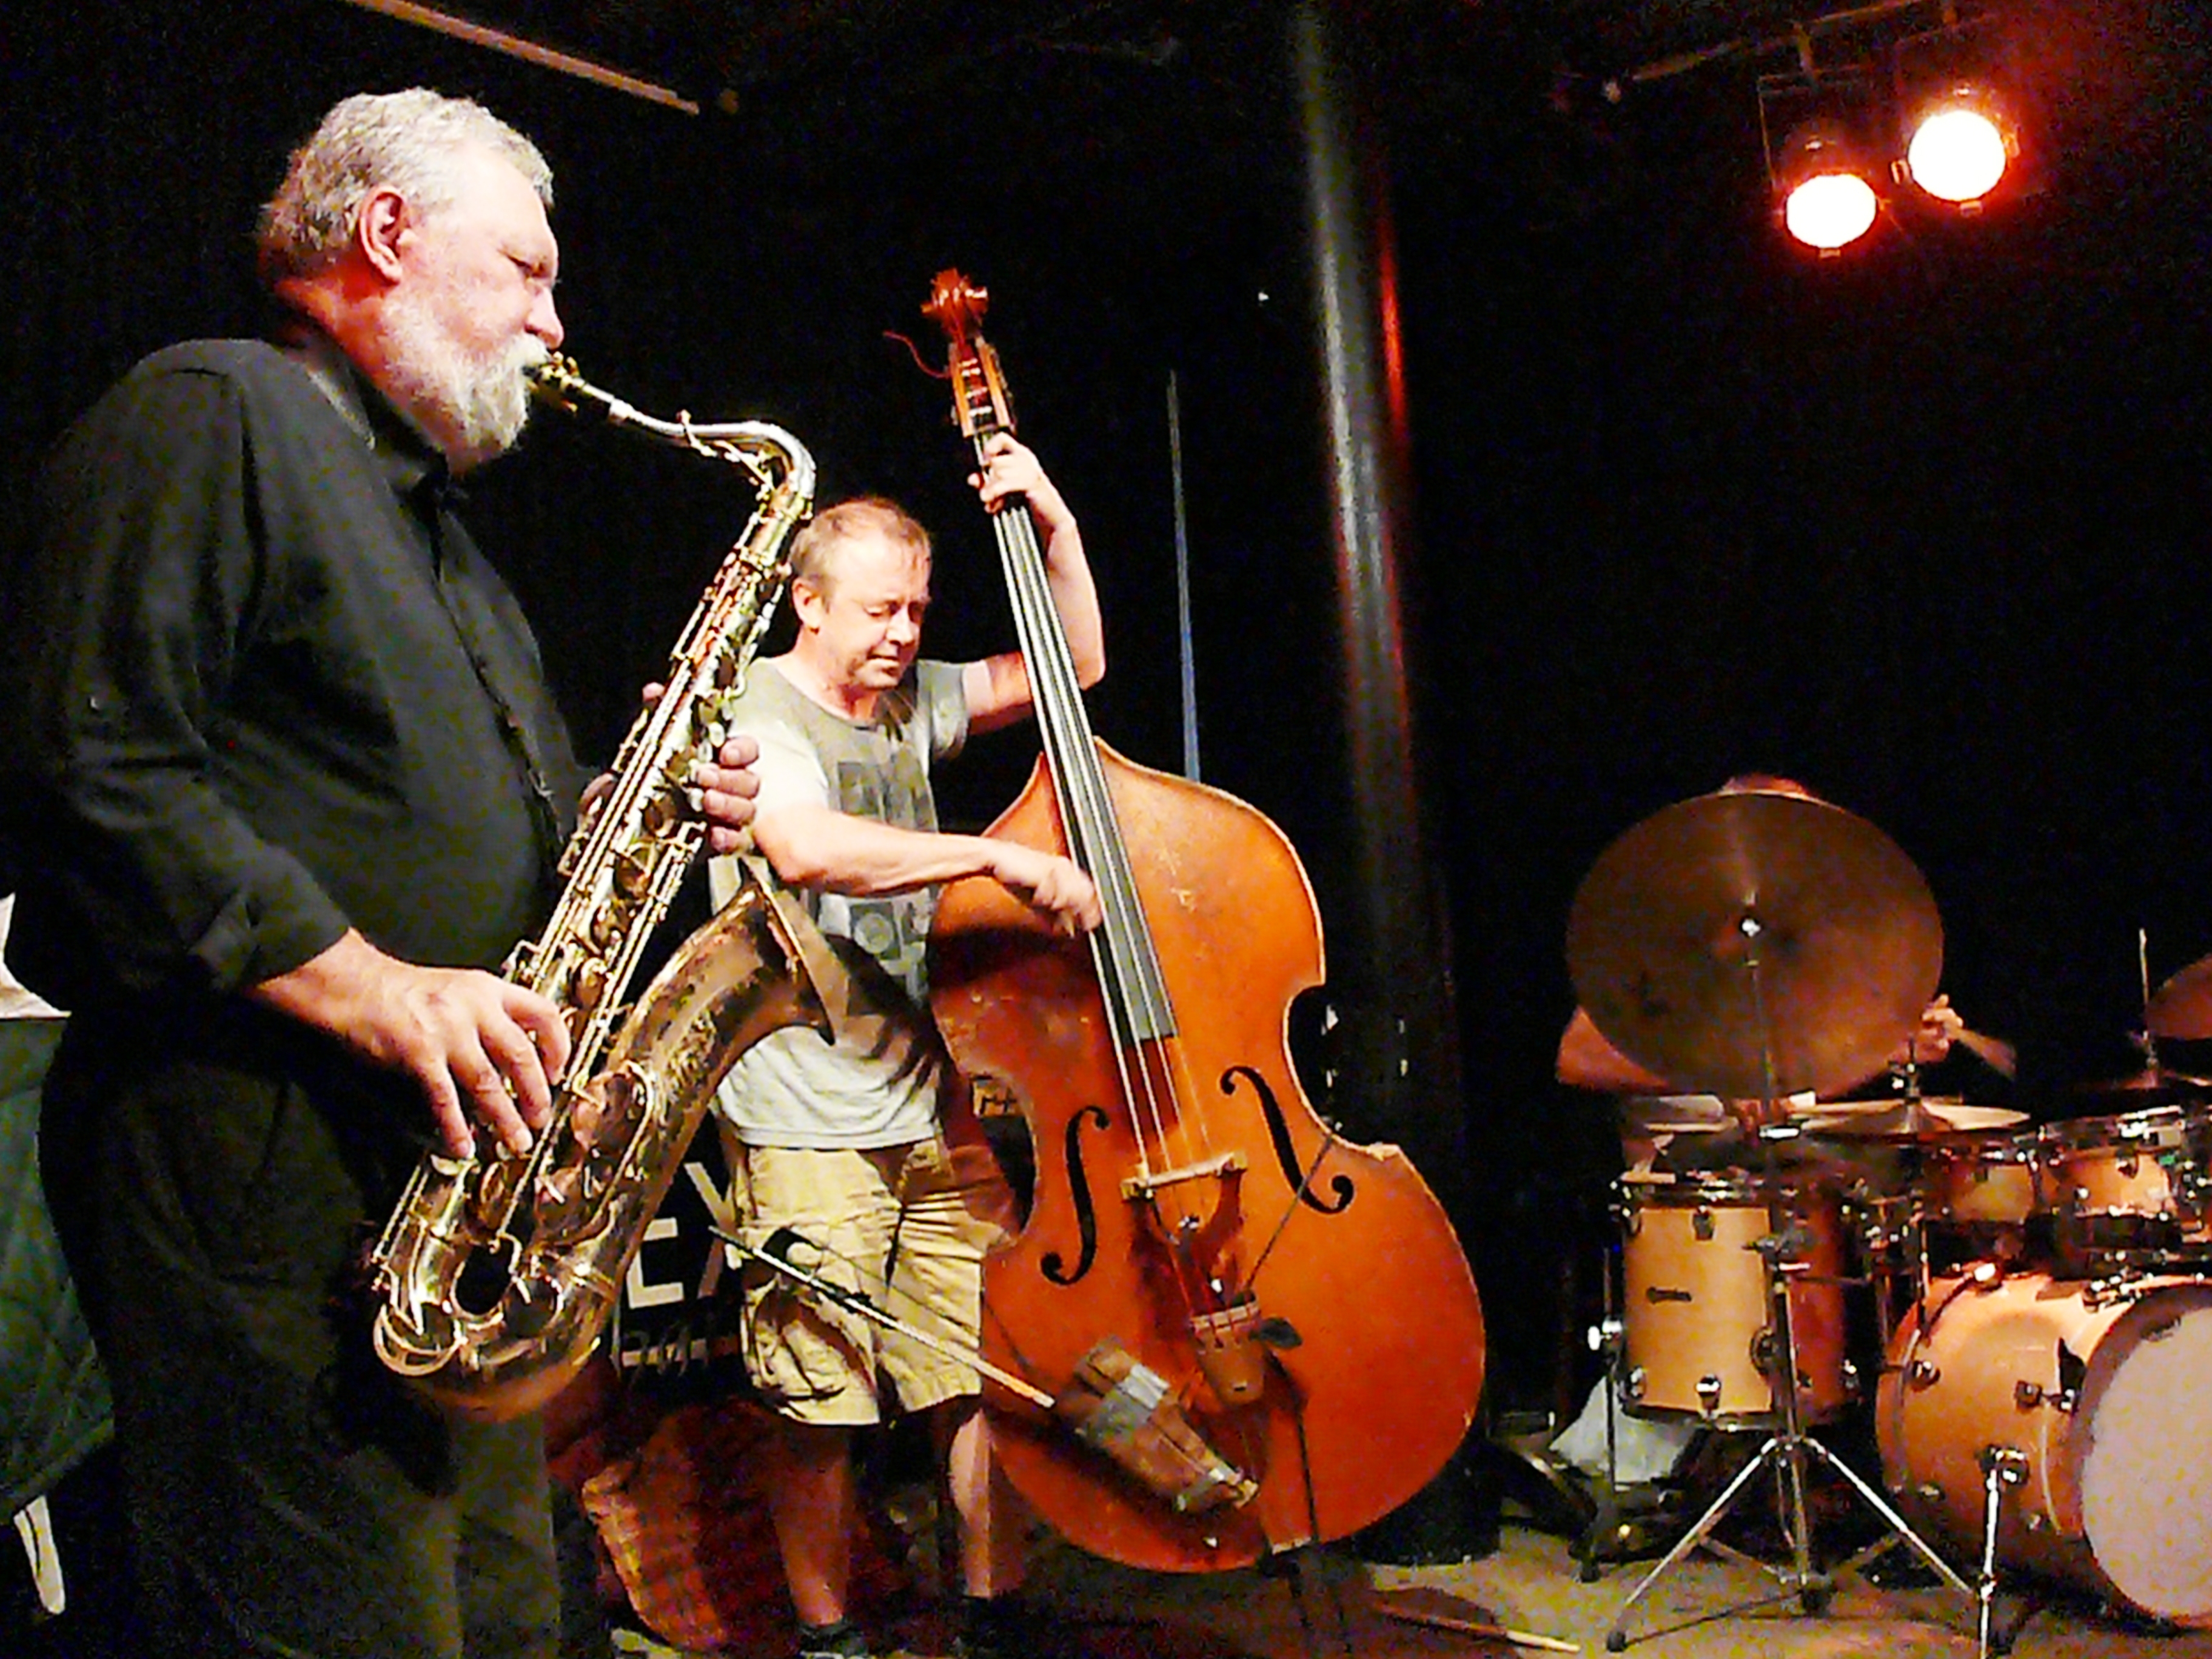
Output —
(1923, 1374)
(1709, 1395)
(1632, 1386)
(1701, 1224)
(2026, 1395)
(1853, 1387)
(2103, 1292)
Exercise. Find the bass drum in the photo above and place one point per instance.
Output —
(2103, 1396)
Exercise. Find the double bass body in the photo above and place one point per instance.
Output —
(1335, 1259)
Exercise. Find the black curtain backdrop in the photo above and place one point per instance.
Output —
(1921, 527)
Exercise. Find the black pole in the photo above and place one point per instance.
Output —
(1398, 1071)
(1398, 1046)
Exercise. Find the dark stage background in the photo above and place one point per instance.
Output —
(1920, 527)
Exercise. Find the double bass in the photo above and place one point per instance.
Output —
(1279, 1326)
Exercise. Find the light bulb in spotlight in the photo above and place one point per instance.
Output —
(1957, 154)
(1830, 210)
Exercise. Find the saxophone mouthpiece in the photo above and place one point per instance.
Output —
(556, 381)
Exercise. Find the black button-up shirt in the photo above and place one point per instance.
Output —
(265, 686)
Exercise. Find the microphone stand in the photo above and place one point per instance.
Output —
(1788, 1447)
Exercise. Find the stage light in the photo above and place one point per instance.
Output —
(1959, 144)
(1936, 94)
(1958, 90)
(1826, 195)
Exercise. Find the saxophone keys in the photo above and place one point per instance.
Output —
(588, 989)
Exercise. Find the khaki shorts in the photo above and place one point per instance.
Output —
(907, 1227)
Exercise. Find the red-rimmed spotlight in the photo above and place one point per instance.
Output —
(1823, 187)
(1959, 143)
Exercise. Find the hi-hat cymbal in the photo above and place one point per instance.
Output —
(1905, 1120)
(2182, 1008)
(1665, 928)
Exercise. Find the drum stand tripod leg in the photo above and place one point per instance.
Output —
(1617, 1638)
(1785, 1452)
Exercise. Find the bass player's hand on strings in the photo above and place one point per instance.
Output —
(1056, 887)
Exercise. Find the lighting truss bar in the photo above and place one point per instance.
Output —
(1798, 36)
(480, 35)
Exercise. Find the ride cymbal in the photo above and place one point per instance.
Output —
(1904, 1120)
(1666, 928)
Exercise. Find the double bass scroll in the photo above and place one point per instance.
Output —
(1301, 1301)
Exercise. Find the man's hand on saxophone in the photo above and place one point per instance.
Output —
(479, 1046)
(722, 789)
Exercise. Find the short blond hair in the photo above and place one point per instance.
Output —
(813, 552)
(408, 141)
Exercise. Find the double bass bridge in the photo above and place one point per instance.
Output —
(1143, 1187)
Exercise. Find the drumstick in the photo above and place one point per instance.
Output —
(1999, 1056)
(1520, 1638)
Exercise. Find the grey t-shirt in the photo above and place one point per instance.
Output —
(879, 1084)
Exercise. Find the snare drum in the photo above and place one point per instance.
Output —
(1697, 1319)
(2103, 1397)
(2131, 1191)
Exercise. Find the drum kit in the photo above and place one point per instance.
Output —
(2038, 1318)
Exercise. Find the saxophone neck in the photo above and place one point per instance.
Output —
(772, 455)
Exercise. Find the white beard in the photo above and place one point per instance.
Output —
(473, 406)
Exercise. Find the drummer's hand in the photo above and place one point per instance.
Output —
(1752, 1116)
(1931, 1040)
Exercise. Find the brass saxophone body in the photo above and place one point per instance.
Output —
(497, 1275)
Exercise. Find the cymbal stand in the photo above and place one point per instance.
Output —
(1788, 1447)
(1918, 1119)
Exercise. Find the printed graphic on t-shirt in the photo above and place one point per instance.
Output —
(891, 927)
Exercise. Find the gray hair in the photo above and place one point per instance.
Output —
(405, 140)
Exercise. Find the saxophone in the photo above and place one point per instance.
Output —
(497, 1275)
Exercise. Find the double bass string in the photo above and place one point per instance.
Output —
(1132, 987)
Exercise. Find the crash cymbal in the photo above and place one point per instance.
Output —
(1905, 1120)
(1663, 934)
(2182, 1008)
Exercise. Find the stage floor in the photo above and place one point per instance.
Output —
(1530, 1584)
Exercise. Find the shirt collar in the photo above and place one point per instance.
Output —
(412, 464)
